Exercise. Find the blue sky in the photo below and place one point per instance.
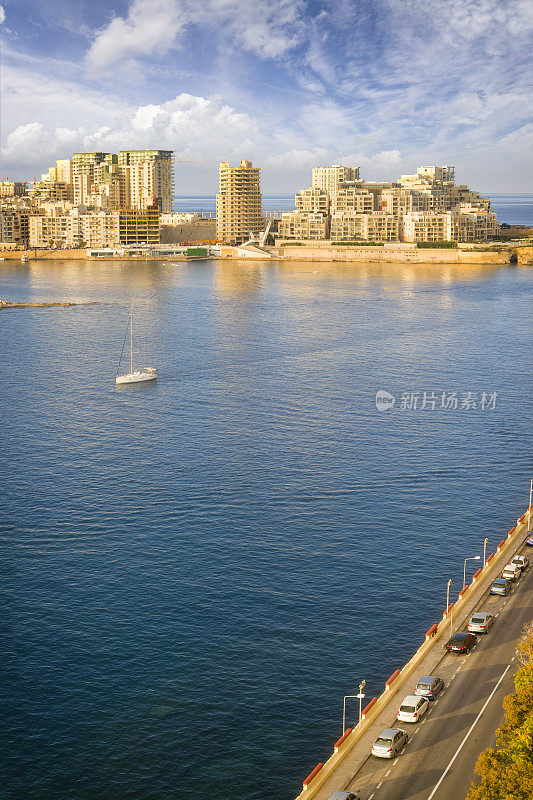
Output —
(289, 84)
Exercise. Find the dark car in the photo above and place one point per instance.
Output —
(500, 586)
(461, 642)
(429, 686)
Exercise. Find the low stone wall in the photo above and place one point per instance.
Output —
(382, 254)
(437, 632)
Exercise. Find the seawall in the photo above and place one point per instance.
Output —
(417, 256)
(431, 647)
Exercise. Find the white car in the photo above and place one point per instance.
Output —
(521, 561)
(511, 572)
(412, 708)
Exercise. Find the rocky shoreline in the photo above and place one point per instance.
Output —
(10, 304)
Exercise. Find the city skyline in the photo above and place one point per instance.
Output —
(290, 85)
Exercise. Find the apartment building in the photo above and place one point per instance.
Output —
(238, 202)
(352, 199)
(332, 178)
(312, 200)
(12, 188)
(422, 226)
(471, 227)
(7, 226)
(82, 171)
(139, 226)
(302, 225)
(377, 226)
(449, 226)
(149, 177)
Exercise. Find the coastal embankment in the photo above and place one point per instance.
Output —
(352, 749)
(323, 252)
(313, 251)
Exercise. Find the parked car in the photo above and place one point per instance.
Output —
(429, 686)
(480, 622)
(461, 642)
(412, 708)
(389, 743)
(511, 572)
(521, 561)
(500, 586)
(343, 795)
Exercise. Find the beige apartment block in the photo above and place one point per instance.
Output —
(312, 200)
(401, 201)
(331, 178)
(377, 226)
(48, 230)
(382, 227)
(239, 203)
(100, 229)
(301, 225)
(7, 226)
(472, 227)
(352, 199)
(149, 175)
(12, 188)
(348, 225)
(420, 226)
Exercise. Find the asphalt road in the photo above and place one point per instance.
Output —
(438, 761)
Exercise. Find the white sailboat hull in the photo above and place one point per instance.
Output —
(139, 376)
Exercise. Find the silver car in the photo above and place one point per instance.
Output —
(480, 622)
(389, 743)
(343, 795)
(521, 561)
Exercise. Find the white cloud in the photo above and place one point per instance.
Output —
(2, 14)
(299, 159)
(191, 126)
(153, 27)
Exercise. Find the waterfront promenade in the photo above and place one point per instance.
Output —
(438, 761)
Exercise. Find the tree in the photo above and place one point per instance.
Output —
(507, 773)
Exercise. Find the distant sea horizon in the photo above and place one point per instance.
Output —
(513, 209)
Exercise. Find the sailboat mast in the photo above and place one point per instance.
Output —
(131, 341)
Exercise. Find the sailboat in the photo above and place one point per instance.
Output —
(139, 375)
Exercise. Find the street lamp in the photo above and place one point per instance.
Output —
(485, 543)
(352, 697)
(529, 509)
(361, 697)
(347, 697)
(448, 602)
(470, 558)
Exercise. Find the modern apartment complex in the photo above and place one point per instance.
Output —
(93, 199)
(425, 207)
(238, 202)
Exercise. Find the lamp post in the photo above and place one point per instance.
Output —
(470, 558)
(529, 509)
(347, 697)
(361, 697)
(448, 602)
(352, 697)
(485, 543)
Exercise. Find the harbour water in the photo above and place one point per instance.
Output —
(194, 573)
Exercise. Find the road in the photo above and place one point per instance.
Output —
(438, 761)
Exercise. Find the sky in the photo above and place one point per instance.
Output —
(289, 84)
